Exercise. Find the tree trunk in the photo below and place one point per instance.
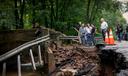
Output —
(33, 13)
(16, 15)
(52, 14)
(22, 13)
(96, 10)
(57, 7)
(88, 10)
(62, 12)
(43, 3)
(66, 6)
(92, 11)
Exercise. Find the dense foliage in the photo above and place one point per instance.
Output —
(61, 15)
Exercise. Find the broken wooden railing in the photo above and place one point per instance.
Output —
(17, 52)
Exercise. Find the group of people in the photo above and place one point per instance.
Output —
(87, 34)
(121, 33)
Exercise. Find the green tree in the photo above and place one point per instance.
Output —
(58, 14)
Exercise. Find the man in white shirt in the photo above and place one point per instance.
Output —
(104, 27)
(89, 39)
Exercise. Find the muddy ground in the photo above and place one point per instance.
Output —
(79, 59)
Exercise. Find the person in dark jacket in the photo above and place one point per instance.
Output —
(126, 32)
(38, 30)
(119, 32)
(93, 33)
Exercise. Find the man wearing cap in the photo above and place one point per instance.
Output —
(104, 27)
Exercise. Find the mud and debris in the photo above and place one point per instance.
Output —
(77, 58)
(90, 61)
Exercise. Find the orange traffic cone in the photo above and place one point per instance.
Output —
(106, 38)
(111, 39)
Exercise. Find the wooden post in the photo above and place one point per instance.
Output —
(48, 32)
(78, 35)
(46, 57)
(19, 65)
(59, 42)
(4, 69)
(32, 59)
(51, 61)
(46, 50)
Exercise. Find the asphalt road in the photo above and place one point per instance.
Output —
(121, 47)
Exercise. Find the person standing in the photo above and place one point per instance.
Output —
(127, 33)
(104, 27)
(119, 32)
(82, 34)
(38, 30)
(77, 26)
(93, 33)
(89, 41)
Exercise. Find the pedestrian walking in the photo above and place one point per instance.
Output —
(104, 27)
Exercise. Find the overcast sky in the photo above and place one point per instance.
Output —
(123, 0)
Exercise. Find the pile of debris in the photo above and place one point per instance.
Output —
(83, 60)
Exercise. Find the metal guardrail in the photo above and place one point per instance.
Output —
(69, 37)
(22, 47)
(18, 50)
